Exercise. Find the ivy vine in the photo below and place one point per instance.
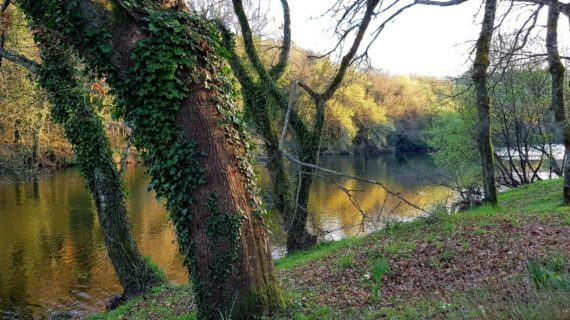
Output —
(179, 50)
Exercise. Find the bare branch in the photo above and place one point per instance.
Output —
(348, 57)
(440, 3)
(277, 70)
(288, 113)
(333, 172)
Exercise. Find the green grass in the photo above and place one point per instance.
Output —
(156, 269)
(345, 261)
(542, 292)
(550, 275)
(321, 250)
(162, 302)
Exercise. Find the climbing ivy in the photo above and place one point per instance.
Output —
(165, 64)
(59, 76)
(178, 50)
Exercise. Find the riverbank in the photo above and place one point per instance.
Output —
(510, 262)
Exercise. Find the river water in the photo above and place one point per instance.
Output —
(52, 255)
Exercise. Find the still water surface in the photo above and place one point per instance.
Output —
(52, 255)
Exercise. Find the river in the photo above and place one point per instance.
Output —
(52, 255)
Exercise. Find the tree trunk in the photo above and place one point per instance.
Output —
(480, 75)
(298, 238)
(36, 134)
(17, 133)
(557, 70)
(84, 130)
(165, 68)
(257, 104)
(257, 98)
(251, 286)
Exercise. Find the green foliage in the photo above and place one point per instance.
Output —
(550, 274)
(346, 261)
(455, 149)
(353, 114)
(379, 269)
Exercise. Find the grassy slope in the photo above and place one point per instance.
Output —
(468, 265)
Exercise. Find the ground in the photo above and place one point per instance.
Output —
(509, 262)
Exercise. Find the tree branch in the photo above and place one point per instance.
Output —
(348, 57)
(277, 70)
(29, 64)
(239, 70)
(440, 3)
(3, 24)
(329, 171)
(563, 8)
(249, 44)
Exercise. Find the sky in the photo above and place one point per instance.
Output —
(424, 40)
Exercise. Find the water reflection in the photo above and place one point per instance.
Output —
(334, 211)
(52, 255)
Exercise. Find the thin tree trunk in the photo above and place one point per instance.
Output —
(557, 70)
(17, 133)
(257, 103)
(84, 130)
(480, 75)
(36, 147)
(298, 238)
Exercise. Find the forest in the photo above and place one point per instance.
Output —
(181, 159)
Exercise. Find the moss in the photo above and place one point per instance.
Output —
(156, 270)
(269, 296)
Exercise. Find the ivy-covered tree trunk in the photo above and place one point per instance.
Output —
(165, 68)
(480, 75)
(84, 130)
(257, 105)
(258, 101)
(298, 237)
(557, 70)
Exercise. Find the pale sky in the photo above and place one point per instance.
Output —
(424, 40)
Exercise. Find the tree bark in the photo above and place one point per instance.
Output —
(480, 75)
(252, 280)
(557, 70)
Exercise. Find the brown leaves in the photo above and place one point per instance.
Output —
(468, 258)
